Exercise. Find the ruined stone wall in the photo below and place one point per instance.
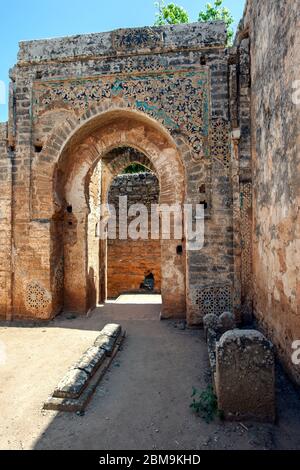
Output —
(5, 225)
(130, 260)
(241, 176)
(274, 31)
(93, 261)
(176, 78)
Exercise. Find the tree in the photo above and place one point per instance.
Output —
(174, 14)
(170, 14)
(135, 168)
(217, 12)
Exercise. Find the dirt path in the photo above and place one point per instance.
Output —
(143, 403)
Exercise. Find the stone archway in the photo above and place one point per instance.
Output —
(68, 171)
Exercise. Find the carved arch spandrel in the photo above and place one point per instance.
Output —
(146, 135)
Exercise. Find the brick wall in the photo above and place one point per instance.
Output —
(130, 260)
(5, 225)
(71, 99)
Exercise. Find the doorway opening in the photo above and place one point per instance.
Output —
(133, 264)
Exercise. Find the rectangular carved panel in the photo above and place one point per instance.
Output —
(246, 240)
(214, 299)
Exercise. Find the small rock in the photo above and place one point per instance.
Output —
(71, 317)
(228, 322)
(180, 325)
(211, 322)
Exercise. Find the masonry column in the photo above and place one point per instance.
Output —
(5, 226)
(31, 237)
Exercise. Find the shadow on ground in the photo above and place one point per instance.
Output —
(143, 401)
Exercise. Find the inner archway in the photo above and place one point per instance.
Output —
(87, 157)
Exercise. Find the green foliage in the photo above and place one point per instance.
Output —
(174, 14)
(135, 168)
(215, 12)
(170, 14)
(205, 404)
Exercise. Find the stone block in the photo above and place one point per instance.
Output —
(106, 343)
(211, 339)
(245, 376)
(112, 330)
(80, 402)
(72, 384)
(91, 360)
(228, 322)
(211, 322)
(76, 379)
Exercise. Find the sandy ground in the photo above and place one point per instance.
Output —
(143, 402)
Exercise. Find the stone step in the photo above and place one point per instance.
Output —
(77, 378)
(72, 384)
(106, 343)
(80, 403)
(112, 329)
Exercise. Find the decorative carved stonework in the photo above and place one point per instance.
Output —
(220, 148)
(246, 240)
(140, 38)
(179, 100)
(59, 277)
(37, 298)
(214, 299)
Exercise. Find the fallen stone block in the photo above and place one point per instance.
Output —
(112, 329)
(91, 360)
(211, 339)
(76, 379)
(80, 403)
(72, 384)
(211, 322)
(105, 342)
(227, 320)
(245, 376)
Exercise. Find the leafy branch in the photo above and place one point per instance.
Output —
(174, 14)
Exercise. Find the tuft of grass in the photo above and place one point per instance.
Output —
(205, 404)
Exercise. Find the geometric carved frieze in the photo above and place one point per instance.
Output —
(37, 298)
(220, 141)
(137, 39)
(214, 299)
(246, 238)
(59, 277)
(178, 99)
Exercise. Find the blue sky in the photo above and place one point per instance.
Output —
(36, 19)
